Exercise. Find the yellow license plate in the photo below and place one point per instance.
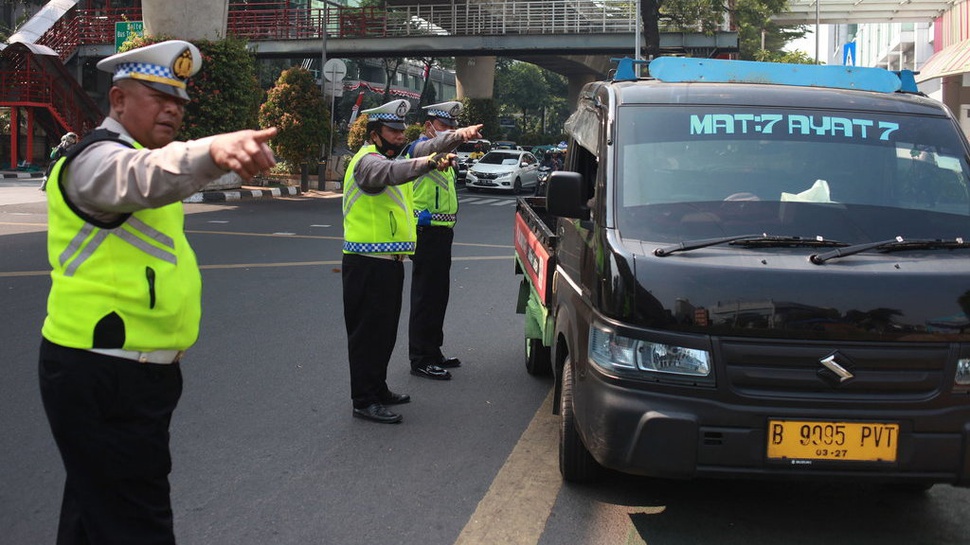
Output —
(837, 441)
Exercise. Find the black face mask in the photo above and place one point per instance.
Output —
(388, 149)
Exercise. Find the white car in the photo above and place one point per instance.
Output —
(508, 170)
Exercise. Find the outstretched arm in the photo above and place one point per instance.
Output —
(244, 152)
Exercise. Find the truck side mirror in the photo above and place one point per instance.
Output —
(566, 195)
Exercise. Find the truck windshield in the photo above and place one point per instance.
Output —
(689, 172)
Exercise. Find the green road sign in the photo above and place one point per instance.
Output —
(127, 29)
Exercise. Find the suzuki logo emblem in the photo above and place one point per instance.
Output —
(836, 368)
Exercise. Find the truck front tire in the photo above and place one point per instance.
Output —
(576, 464)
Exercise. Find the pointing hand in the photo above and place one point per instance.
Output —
(244, 152)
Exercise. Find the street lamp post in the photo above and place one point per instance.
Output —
(817, 29)
(636, 30)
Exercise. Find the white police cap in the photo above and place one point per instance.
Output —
(391, 114)
(164, 66)
(447, 112)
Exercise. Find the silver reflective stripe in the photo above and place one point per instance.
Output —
(133, 223)
(395, 194)
(86, 252)
(354, 193)
(439, 178)
(153, 251)
(76, 243)
(150, 232)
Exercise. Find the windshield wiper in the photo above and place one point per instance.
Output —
(892, 245)
(763, 240)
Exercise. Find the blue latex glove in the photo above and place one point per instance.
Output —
(424, 217)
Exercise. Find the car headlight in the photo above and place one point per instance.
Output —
(618, 354)
(503, 175)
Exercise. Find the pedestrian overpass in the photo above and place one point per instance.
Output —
(574, 38)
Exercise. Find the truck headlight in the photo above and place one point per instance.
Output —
(616, 353)
(962, 377)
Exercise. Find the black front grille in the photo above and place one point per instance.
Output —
(881, 372)
(486, 176)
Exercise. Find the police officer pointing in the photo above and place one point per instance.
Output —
(125, 300)
(379, 230)
(436, 210)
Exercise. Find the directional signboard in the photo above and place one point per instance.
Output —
(127, 29)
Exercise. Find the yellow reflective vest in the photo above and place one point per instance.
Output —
(435, 193)
(137, 277)
(377, 223)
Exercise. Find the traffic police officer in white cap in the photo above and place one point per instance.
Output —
(125, 299)
(379, 230)
(436, 210)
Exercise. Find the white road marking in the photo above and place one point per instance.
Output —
(516, 506)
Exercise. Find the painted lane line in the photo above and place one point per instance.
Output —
(516, 506)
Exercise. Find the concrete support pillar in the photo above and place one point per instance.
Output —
(186, 19)
(475, 77)
(191, 20)
(575, 85)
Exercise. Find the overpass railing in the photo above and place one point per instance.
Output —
(257, 21)
(268, 21)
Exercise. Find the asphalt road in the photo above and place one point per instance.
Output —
(266, 452)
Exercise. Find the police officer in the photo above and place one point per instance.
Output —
(379, 230)
(125, 300)
(436, 209)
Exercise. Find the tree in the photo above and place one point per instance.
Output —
(761, 39)
(535, 96)
(224, 95)
(480, 110)
(522, 86)
(752, 18)
(390, 64)
(357, 133)
(427, 91)
(295, 106)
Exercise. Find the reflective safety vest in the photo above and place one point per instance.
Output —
(134, 282)
(377, 223)
(435, 192)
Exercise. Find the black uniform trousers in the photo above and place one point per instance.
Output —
(430, 286)
(372, 310)
(110, 419)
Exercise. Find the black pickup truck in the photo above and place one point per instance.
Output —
(755, 270)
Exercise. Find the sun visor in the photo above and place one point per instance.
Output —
(584, 127)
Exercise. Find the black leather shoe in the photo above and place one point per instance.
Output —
(449, 363)
(395, 399)
(431, 371)
(377, 413)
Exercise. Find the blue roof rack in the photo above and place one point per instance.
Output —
(908, 80)
(625, 70)
(685, 69)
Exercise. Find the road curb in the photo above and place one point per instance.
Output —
(21, 175)
(240, 194)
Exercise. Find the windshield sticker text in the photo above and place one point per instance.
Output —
(792, 124)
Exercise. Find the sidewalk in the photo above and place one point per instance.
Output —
(245, 192)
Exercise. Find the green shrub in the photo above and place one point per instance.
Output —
(295, 106)
(224, 95)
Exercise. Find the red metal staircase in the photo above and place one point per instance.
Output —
(40, 84)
